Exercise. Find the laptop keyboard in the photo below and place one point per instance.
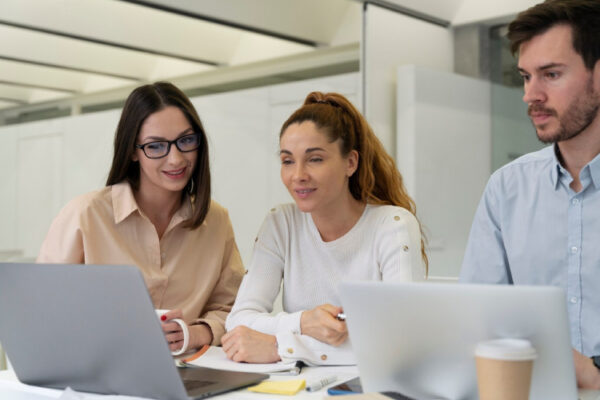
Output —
(193, 384)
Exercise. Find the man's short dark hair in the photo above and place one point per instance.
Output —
(583, 16)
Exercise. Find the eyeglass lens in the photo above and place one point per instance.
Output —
(161, 149)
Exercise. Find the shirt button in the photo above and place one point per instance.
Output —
(575, 201)
(574, 249)
(290, 350)
(573, 300)
(323, 357)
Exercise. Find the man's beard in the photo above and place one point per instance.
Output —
(577, 117)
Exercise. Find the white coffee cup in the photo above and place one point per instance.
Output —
(184, 329)
(504, 369)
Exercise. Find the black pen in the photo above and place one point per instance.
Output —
(297, 368)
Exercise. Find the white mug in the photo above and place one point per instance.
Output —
(184, 328)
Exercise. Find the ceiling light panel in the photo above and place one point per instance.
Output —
(27, 44)
(29, 95)
(18, 72)
(137, 26)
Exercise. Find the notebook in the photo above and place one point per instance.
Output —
(215, 357)
(419, 338)
(93, 328)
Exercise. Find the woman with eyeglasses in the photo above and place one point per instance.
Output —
(156, 213)
(351, 219)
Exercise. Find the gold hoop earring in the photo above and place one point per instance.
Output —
(191, 192)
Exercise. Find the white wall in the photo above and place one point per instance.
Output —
(47, 163)
(8, 188)
(391, 39)
(44, 164)
(444, 153)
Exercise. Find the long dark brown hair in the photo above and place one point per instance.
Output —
(141, 103)
(377, 179)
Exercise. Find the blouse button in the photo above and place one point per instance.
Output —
(405, 248)
(290, 350)
(272, 209)
(323, 357)
(397, 218)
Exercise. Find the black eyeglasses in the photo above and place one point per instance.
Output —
(161, 148)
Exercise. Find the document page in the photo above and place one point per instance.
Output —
(215, 358)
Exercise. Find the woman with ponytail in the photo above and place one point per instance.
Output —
(352, 220)
(156, 213)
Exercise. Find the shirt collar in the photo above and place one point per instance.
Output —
(124, 205)
(594, 167)
(123, 201)
(557, 169)
(590, 171)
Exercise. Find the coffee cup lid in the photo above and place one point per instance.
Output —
(506, 349)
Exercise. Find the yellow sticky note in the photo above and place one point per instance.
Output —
(279, 387)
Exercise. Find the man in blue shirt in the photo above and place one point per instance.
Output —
(539, 219)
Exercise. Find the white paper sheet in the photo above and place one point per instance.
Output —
(215, 358)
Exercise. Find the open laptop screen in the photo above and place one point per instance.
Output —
(419, 338)
(93, 328)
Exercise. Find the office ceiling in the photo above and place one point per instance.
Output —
(51, 50)
(54, 49)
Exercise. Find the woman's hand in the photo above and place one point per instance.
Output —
(200, 334)
(322, 324)
(243, 344)
(172, 330)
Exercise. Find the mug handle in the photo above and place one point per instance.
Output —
(186, 337)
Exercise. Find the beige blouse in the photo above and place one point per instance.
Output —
(198, 271)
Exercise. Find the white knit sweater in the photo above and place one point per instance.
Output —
(384, 245)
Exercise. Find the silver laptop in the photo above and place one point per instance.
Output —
(93, 328)
(419, 338)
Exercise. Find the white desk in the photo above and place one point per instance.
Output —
(10, 387)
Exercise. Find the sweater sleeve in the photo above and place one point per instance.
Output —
(399, 245)
(262, 282)
(294, 346)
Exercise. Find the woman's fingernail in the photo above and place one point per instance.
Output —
(163, 317)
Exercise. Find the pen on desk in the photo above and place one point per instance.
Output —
(341, 316)
(314, 386)
(297, 368)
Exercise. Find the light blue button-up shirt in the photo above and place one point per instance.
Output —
(532, 228)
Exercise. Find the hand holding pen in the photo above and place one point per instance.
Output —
(323, 324)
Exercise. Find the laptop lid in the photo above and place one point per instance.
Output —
(419, 338)
(93, 328)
